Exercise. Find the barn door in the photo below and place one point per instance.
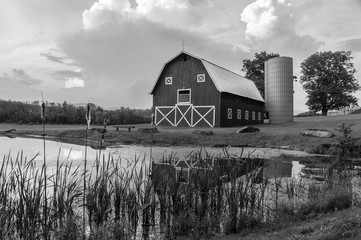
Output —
(165, 116)
(184, 115)
(203, 116)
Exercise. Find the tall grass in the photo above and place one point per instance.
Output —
(133, 200)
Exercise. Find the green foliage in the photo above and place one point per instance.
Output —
(254, 69)
(65, 113)
(328, 79)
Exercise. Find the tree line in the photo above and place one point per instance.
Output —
(65, 113)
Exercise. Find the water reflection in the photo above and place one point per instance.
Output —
(71, 154)
(76, 153)
(282, 168)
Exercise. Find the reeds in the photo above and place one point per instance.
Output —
(132, 199)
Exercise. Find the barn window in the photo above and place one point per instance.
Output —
(184, 96)
(253, 115)
(201, 77)
(229, 113)
(246, 115)
(259, 116)
(168, 81)
(239, 114)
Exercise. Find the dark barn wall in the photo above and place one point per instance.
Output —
(235, 103)
(184, 70)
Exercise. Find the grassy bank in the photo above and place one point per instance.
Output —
(345, 224)
(270, 135)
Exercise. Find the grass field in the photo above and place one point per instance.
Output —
(270, 135)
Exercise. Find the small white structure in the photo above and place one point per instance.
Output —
(279, 89)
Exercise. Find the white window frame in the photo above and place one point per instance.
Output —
(239, 114)
(168, 82)
(259, 116)
(204, 77)
(190, 95)
(229, 113)
(253, 115)
(246, 115)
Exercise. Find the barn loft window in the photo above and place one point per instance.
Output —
(246, 115)
(253, 115)
(168, 81)
(239, 114)
(201, 77)
(229, 113)
(184, 96)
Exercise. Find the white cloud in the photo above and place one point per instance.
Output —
(263, 17)
(270, 26)
(74, 83)
(260, 18)
(105, 11)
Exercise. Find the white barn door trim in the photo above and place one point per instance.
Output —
(160, 115)
(164, 116)
(203, 117)
(183, 114)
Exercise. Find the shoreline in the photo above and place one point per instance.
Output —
(277, 136)
(115, 139)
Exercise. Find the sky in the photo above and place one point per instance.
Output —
(110, 52)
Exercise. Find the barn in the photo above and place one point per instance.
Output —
(193, 92)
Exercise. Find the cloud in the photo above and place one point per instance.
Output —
(52, 58)
(260, 18)
(353, 45)
(57, 59)
(74, 83)
(19, 75)
(65, 74)
(181, 14)
(270, 25)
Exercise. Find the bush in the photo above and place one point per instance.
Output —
(308, 114)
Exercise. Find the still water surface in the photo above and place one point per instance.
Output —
(33, 148)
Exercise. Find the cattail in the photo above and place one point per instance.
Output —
(42, 111)
(88, 115)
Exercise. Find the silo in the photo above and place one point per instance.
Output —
(279, 89)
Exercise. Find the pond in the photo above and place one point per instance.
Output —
(33, 148)
(155, 205)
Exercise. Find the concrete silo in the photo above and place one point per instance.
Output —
(279, 89)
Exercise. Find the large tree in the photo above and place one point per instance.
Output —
(254, 69)
(328, 79)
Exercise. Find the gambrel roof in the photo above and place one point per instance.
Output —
(225, 80)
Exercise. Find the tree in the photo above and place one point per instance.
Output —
(328, 79)
(254, 69)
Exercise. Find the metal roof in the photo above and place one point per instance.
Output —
(225, 80)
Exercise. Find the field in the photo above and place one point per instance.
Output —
(270, 135)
